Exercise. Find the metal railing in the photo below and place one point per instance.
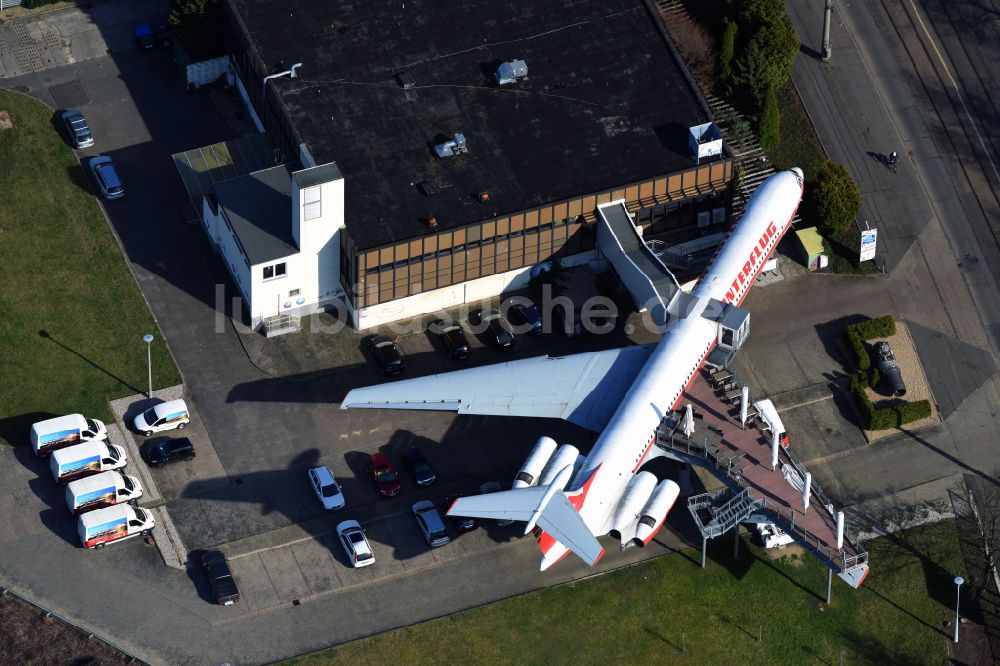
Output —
(4, 591)
(734, 476)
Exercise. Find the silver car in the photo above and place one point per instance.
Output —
(77, 129)
(430, 523)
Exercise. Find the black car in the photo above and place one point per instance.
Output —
(224, 589)
(453, 338)
(525, 314)
(422, 471)
(163, 451)
(388, 356)
(494, 326)
(463, 523)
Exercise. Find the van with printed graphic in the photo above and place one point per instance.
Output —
(115, 523)
(164, 416)
(58, 433)
(76, 462)
(102, 490)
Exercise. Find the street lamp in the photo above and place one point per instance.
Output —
(148, 339)
(958, 596)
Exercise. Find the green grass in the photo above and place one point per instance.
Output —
(62, 272)
(638, 615)
(799, 144)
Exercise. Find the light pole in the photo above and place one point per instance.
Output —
(148, 339)
(958, 597)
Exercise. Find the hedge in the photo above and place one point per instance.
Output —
(880, 327)
(886, 417)
(874, 378)
(914, 411)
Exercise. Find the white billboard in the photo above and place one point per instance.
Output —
(868, 239)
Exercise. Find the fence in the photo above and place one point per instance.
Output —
(4, 591)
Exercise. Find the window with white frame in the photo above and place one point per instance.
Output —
(312, 203)
(275, 271)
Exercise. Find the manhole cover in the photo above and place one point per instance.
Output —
(68, 95)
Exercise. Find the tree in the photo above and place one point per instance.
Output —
(754, 14)
(751, 77)
(835, 198)
(727, 48)
(779, 43)
(199, 25)
(769, 123)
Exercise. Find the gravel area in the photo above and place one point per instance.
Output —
(917, 386)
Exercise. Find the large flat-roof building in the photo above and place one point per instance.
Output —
(457, 180)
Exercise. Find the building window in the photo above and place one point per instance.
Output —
(312, 203)
(294, 292)
(276, 271)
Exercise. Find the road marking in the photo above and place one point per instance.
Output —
(972, 124)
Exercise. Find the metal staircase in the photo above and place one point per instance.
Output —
(717, 513)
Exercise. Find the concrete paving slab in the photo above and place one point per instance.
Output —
(318, 565)
(285, 574)
(257, 592)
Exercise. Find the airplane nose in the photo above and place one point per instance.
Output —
(797, 171)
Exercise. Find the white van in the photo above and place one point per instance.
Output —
(63, 431)
(86, 460)
(97, 528)
(164, 416)
(101, 490)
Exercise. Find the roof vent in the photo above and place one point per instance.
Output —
(454, 146)
(511, 71)
(406, 80)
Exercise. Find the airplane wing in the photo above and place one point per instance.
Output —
(559, 520)
(584, 389)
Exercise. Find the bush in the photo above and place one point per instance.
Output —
(769, 125)
(883, 419)
(727, 48)
(778, 41)
(914, 411)
(875, 377)
(835, 199)
(857, 347)
(879, 327)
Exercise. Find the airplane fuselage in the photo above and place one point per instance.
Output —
(625, 443)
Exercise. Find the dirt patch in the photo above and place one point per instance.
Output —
(27, 637)
(917, 386)
(792, 553)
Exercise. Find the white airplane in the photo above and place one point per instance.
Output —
(569, 499)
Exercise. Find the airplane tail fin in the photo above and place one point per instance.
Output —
(545, 507)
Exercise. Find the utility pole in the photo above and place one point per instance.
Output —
(826, 30)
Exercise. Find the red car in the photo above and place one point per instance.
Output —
(386, 478)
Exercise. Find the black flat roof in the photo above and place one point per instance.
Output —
(604, 104)
(259, 208)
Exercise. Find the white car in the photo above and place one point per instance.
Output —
(326, 488)
(352, 538)
(164, 416)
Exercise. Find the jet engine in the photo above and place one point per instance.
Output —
(567, 454)
(655, 511)
(888, 368)
(535, 462)
(636, 495)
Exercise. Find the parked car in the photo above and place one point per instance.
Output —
(463, 523)
(453, 338)
(496, 329)
(385, 478)
(494, 487)
(165, 450)
(77, 129)
(106, 175)
(422, 471)
(326, 488)
(526, 315)
(430, 523)
(164, 416)
(359, 552)
(224, 589)
(388, 355)
(149, 36)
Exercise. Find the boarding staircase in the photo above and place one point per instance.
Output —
(718, 512)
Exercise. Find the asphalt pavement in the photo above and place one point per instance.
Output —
(934, 217)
